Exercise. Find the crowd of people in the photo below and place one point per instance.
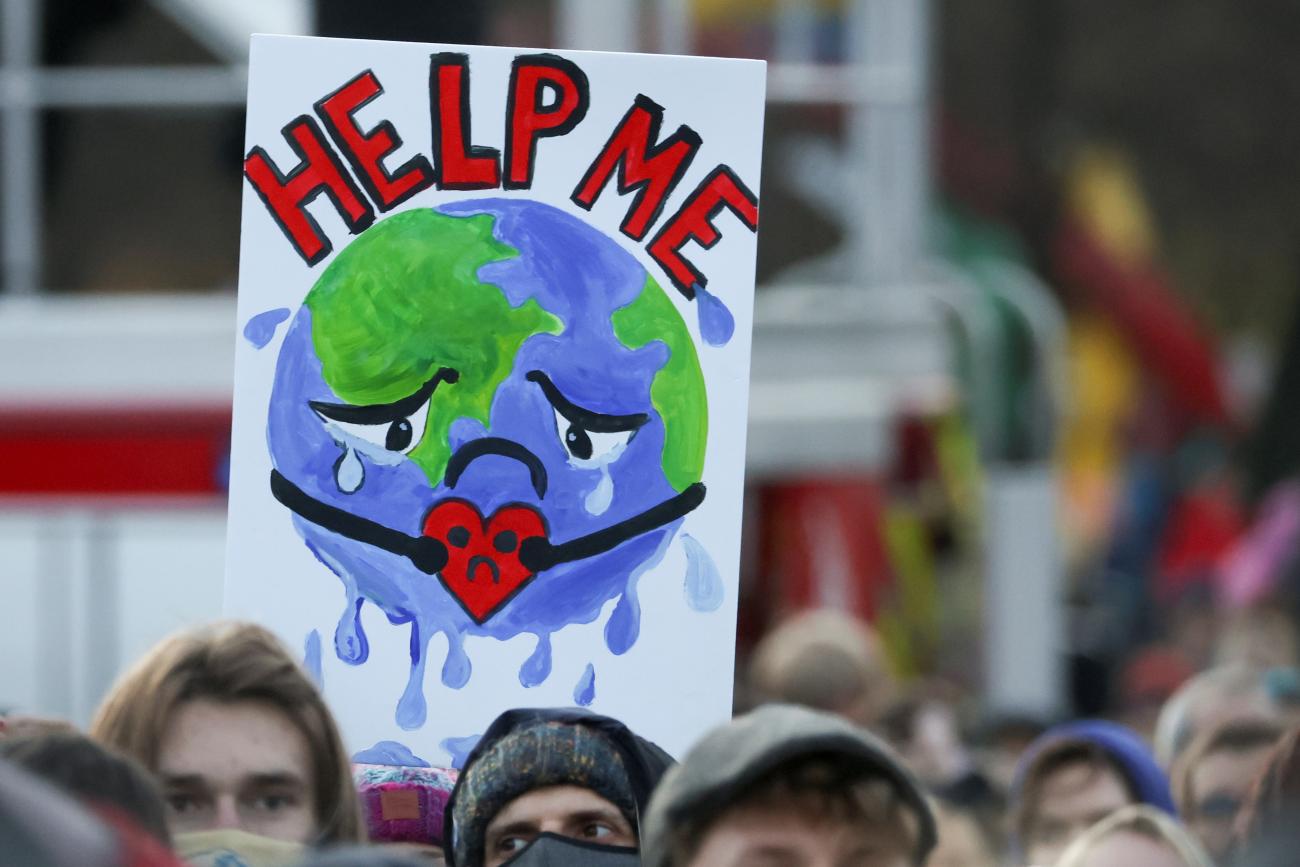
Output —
(217, 750)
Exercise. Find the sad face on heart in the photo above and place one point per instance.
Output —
(486, 418)
(483, 568)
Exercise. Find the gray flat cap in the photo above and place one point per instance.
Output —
(721, 768)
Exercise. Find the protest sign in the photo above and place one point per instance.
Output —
(491, 388)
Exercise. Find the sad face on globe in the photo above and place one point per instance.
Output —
(487, 419)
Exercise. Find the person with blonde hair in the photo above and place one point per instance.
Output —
(238, 737)
(1214, 775)
(1226, 693)
(1135, 836)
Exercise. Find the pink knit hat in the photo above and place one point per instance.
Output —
(404, 805)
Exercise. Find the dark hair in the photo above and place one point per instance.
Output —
(1054, 757)
(98, 777)
(820, 787)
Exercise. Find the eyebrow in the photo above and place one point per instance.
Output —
(276, 778)
(378, 413)
(522, 826)
(183, 781)
(268, 780)
(593, 421)
(612, 817)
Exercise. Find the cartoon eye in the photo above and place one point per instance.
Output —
(589, 445)
(395, 427)
(400, 435)
(589, 437)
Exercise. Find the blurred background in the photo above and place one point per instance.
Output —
(1026, 327)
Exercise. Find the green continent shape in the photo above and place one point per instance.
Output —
(403, 300)
(677, 391)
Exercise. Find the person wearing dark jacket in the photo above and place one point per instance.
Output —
(552, 786)
(788, 785)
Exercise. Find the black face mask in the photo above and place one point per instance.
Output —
(552, 850)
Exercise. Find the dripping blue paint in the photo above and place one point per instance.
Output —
(703, 584)
(311, 658)
(584, 692)
(537, 667)
(390, 753)
(717, 325)
(624, 624)
(574, 364)
(259, 329)
(459, 748)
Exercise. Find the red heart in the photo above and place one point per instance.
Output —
(483, 570)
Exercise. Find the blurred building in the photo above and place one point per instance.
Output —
(992, 234)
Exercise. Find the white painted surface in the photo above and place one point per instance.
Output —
(88, 587)
(223, 26)
(599, 25)
(1024, 625)
(676, 680)
(108, 350)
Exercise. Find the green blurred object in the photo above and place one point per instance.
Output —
(1001, 361)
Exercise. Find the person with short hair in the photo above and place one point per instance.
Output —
(44, 826)
(237, 735)
(792, 786)
(558, 786)
(98, 777)
(1135, 836)
(1213, 777)
(1074, 776)
(826, 660)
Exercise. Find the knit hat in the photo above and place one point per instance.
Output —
(533, 757)
(404, 805)
(721, 768)
(1129, 752)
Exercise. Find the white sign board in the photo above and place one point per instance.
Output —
(491, 391)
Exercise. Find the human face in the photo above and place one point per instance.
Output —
(239, 765)
(1130, 849)
(763, 836)
(1218, 786)
(567, 811)
(1071, 799)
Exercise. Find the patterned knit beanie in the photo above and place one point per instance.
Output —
(540, 755)
(404, 805)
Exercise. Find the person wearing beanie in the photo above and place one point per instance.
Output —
(788, 785)
(557, 786)
(1072, 777)
(405, 807)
